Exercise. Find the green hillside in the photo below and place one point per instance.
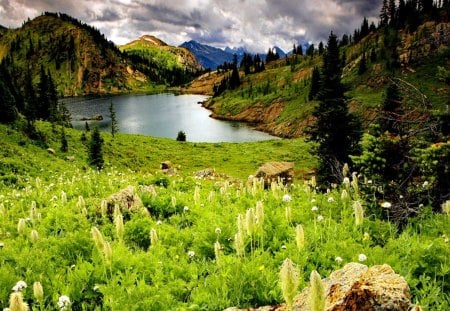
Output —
(277, 98)
(50, 205)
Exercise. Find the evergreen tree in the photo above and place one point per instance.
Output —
(364, 28)
(336, 131)
(392, 12)
(181, 136)
(114, 124)
(235, 80)
(384, 14)
(310, 50)
(390, 111)
(7, 105)
(373, 56)
(52, 98)
(86, 127)
(43, 111)
(362, 65)
(64, 143)
(30, 100)
(299, 50)
(315, 84)
(320, 48)
(95, 153)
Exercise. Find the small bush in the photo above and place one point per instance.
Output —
(181, 136)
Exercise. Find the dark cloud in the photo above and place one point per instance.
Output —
(254, 24)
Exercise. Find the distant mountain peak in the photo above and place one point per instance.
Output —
(152, 40)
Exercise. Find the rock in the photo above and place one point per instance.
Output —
(168, 169)
(275, 172)
(51, 151)
(126, 200)
(207, 173)
(357, 287)
(70, 158)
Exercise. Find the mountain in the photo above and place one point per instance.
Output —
(276, 99)
(165, 55)
(79, 58)
(208, 56)
(279, 51)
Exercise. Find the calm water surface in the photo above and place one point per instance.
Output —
(162, 115)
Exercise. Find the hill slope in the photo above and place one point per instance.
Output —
(210, 57)
(165, 55)
(277, 98)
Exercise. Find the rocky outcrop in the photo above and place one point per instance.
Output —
(356, 287)
(276, 172)
(126, 200)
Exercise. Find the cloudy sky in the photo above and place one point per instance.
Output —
(254, 24)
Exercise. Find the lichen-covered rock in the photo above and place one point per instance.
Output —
(126, 200)
(356, 287)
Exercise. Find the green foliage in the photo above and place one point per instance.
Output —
(95, 151)
(114, 123)
(181, 136)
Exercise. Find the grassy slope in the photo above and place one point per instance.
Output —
(164, 277)
(290, 86)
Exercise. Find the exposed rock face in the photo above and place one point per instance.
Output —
(356, 287)
(276, 171)
(126, 200)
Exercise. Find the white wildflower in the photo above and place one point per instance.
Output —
(386, 204)
(2, 244)
(362, 257)
(314, 208)
(159, 222)
(218, 231)
(346, 181)
(186, 209)
(425, 184)
(283, 246)
(330, 200)
(19, 286)
(287, 198)
(320, 218)
(338, 259)
(191, 254)
(63, 302)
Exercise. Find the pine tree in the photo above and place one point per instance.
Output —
(336, 131)
(7, 105)
(362, 65)
(30, 100)
(114, 124)
(95, 153)
(320, 48)
(43, 110)
(64, 143)
(315, 84)
(384, 14)
(392, 12)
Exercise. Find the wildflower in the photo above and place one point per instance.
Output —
(362, 257)
(19, 286)
(96, 288)
(346, 181)
(299, 237)
(107, 251)
(344, 195)
(217, 249)
(250, 221)
(359, 213)
(38, 291)
(330, 200)
(314, 208)
(386, 204)
(345, 170)
(445, 238)
(283, 246)
(63, 198)
(313, 181)
(98, 238)
(260, 214)
(72, 267)
(16, 302)
(63, 303)
(21, 226)
(2, 244)
(366, 236)
(218, 231)
(317, 292)
(153, 237)
(287, 198)
(186, 209)
(118, 220)
(240, 224)
(313, 200)
(338, 259)
(320, 218)
(191, 254)
(239, 244)
(159, 222)
(34, 236)
(425, 184)
(289, 280)
(288, 213)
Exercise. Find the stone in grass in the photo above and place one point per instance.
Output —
(126, 200)
(357, 287)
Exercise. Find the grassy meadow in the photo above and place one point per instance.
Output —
(194, 244)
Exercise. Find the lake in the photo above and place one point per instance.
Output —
(161, 115)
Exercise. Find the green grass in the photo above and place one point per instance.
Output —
(182, 271)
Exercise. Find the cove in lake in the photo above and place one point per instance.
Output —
(161, 115)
